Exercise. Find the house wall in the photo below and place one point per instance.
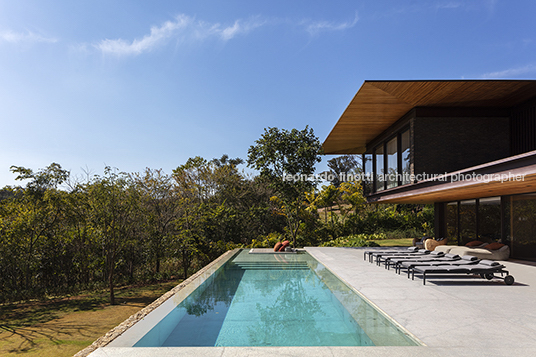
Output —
(523, 128)
(447, 144)
(511, 222)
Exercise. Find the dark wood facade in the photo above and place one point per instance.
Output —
(470, 129)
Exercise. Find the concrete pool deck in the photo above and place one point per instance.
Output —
(452, 316)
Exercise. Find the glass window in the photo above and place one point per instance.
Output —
(523, 226)
(405, 148)
(380, 172)
(451, 221)
(489, 219)
(392, 163)
(367, 174)
(467, 221)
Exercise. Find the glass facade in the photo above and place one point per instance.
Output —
(467, 219)
(523, 226)
(380, 171)
(391, 160)
(405, 150)
(368, 174)
(509, 219)
(392, 163)
(489, 219)
(451, 221)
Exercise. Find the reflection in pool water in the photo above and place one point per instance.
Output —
(273, 300)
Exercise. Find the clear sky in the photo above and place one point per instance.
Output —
(135, 84)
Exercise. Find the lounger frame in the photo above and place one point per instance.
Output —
(484, 272)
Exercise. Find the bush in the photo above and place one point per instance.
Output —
(400, 233)
(354, 240)
(267, 241)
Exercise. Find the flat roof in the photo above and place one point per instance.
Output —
(379, 104)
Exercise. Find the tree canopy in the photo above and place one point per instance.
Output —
(59, 236)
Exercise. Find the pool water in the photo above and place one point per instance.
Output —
(274, 300)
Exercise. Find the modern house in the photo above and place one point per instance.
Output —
(467, 146)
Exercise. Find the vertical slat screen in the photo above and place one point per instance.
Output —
(523, 128)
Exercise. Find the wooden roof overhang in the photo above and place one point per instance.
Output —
(510, 176)
(379, 104)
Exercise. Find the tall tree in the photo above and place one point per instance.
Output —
(160, 209)
(112, 202)
(39, 209)
(287, 160)
(342, 166)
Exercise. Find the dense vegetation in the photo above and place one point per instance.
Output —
(59, 236)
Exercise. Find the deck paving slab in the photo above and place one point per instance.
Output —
(451, 315)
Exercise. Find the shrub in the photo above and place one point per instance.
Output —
(354, 240)
(267, 241)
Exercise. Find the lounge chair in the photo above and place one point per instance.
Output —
(434, 257)
(370, 253)
(447, 259)
(381, 256)
(394, 260)
(485, 268)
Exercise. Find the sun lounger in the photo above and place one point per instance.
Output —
(485, 268)
(448, 259)
(435, 258)
(378, 251)
(394, 260)
(380, 257)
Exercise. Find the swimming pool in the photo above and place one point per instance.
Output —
(267, 300)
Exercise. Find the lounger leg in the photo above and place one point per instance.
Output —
(424, 278)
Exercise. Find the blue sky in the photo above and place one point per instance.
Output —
(136, 84)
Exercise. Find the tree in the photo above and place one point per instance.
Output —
(112, 203)
(225, 161)
(286, 159)
(38, 210)
(160, 209)
(194, 185)
(341, 166)
(326, 199)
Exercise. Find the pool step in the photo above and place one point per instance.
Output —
(269, 265)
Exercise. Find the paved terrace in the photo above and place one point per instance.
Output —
(451, 316)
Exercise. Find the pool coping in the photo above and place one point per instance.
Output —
(138, 316)
(102, 347)
(451, 319)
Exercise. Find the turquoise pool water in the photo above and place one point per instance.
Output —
(274, 300)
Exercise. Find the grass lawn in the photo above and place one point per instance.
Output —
(62, 327)
(404, 242)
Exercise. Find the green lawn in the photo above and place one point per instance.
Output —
(405, 242)
(62, 327)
